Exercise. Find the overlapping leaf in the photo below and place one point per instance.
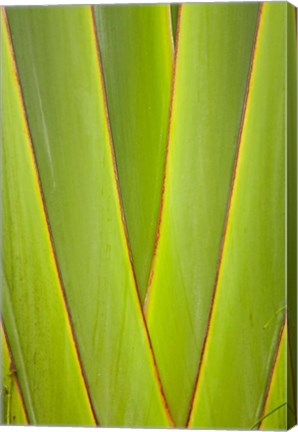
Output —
(249, 304)
(33, 311)
(215, 304)
(209, 90)
(137, 51)
(57, 62)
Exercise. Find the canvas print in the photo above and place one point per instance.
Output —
(148, 208)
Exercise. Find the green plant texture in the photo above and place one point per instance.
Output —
(148, 203)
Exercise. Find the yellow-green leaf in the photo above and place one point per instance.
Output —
(58, 64)
(249, 303)
(33, 308)
(212, 69)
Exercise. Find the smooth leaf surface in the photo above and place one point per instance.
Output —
(128, 182)
(58, 66)
(210, 82)
(33, 311)
(135, 43)
(249, 305)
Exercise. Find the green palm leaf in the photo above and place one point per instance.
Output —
(249, 282)
(30, 281)
(206, 117)
(149, 215)
(107, 323)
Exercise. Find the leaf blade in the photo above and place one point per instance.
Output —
(252, 215)
(135, 43)
(186, 257)
(20, 285)
(84, 211)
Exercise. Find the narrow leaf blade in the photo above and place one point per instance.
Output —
(135, 43)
